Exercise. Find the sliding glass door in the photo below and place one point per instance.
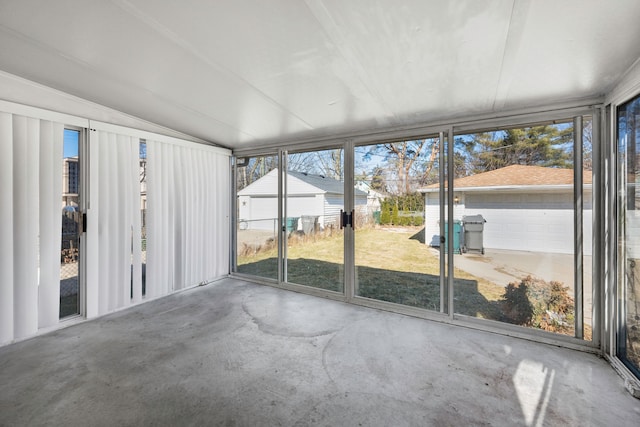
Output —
(396, 252)
(517, 211)
(493, 224)
(71, 225)
(628, 295)
(288, 219)
(314, 190)
(257, 221)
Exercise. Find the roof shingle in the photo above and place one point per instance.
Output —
(519, 175)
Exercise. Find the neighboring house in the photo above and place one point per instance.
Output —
(526, 208)
(307, 195)
(374, 198)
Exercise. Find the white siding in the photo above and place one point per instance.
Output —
(305, 205)
(332, 205)
(539, 222)
(362, 202)
(432, 219)
(335, 202)
(260, 213)
(244, 207)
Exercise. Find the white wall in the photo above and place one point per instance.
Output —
(258, 206)
(258, 213)
(538, 222)
(261, 212)
(297, 206)
(432, 217)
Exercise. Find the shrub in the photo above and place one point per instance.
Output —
(395, 216)
(405, 218)
(385, 217)
(536, 303)
(516, 305)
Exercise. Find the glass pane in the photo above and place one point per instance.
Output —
(514, 216)
(314, 198)
(143, 211)
(257, 214)
(587, 224)
(69, 254)
(394, 259)
(629, 166)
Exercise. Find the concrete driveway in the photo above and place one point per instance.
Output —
(504, 266)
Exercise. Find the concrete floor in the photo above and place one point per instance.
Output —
(239, 354)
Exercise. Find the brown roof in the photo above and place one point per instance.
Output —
(519, 175)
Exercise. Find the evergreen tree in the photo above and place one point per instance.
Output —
(385, 214)
(535, 146)
(395, 215)
(377, 180)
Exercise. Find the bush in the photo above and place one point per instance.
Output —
(395, 216)
(536, 303)
(385, 217)
(516, 305)
(405, 217)
(405, 210)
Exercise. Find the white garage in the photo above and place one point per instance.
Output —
(307, 195)
(526, 208)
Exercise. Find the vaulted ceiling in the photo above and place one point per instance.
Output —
(245, 73)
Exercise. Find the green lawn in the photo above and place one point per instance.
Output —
(391, 265)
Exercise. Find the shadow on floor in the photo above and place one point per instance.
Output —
(399, 287)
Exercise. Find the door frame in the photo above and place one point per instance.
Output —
(83, 193)
(516, 118)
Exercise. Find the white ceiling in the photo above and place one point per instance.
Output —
(248, 72)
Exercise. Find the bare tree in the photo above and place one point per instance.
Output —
(404, 154)
(256, 168)
(330, 163)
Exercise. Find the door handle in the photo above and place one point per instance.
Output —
(347, 218)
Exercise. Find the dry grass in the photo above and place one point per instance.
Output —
(391, 265)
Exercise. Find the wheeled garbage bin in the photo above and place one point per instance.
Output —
(473, 233)
(457, 234)
(292, 224)
(309, 224)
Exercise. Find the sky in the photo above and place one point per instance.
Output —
(71, 142)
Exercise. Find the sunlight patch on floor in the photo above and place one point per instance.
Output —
(533, 383)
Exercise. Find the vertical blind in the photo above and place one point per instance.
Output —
(30, 224)
(114, 278)
(188, 198)
(187, 222)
